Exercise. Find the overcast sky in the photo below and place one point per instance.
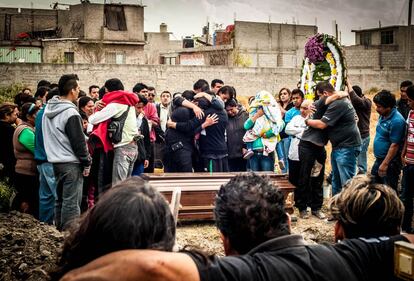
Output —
(186, 17)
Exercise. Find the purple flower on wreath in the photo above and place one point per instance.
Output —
(314, 49)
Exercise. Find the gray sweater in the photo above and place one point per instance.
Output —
(63, 135)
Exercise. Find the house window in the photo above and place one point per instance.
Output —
(170, 60)
(365, 39)
(69, 57)
(115, 57)
(387, 37)
(115, 17)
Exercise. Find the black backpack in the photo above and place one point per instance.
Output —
(116, 126)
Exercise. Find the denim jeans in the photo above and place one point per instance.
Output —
(407, 196)
(138, 169)
(282, 149)
(393, 172)
(47, 192)
(343, 161)
(260, 163)
(69, 183)
(362, 157)
(124, 159)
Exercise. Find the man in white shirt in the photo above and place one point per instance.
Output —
(164, 112)
(163, 109)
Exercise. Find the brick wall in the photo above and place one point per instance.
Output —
(247, 81)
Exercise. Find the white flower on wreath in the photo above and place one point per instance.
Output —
(337, 58)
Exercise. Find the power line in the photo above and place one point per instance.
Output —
(404, 8)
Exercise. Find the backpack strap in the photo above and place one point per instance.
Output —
(123, 116)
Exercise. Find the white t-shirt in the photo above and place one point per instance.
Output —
(295, 128)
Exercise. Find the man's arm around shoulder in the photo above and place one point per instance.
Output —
(132, 265)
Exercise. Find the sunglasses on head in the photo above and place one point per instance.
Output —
(31, 108)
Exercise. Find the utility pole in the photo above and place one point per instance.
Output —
(408, 55)
(335, 29)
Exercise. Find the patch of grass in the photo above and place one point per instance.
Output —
(8, 93)
(6, 192)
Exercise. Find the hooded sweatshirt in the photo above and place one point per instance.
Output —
(62, 128)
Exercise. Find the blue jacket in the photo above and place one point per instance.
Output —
(39, 152)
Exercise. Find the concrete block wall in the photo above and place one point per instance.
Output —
(247, 81)
(359, 57)
(393, 59)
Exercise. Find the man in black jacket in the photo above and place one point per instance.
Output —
(179, 144)
(213, 146)
(212, 138)
(235, 132)
(402, 103)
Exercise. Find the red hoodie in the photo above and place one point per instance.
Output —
(100, 131)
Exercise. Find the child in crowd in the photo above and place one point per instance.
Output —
(266, 127)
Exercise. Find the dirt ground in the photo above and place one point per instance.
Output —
(29, 249)
(207, 238)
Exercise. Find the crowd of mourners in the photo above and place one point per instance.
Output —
(63, 148)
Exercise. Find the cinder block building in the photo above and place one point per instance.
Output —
(249, 44)
(382, 47)
(84, 33)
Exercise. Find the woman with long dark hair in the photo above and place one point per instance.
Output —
(27, 179)
(130, 215)
(282, 148)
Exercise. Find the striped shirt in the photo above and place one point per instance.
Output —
(409, 156)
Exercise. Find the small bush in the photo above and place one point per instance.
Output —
(9, 92)
(6, 193)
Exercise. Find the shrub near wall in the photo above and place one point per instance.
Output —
(7, 93)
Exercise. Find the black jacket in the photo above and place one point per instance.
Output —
(235, 132)
(6, 149)
(186, 136)
(145, 132)
(213, 141)
(403, 108)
